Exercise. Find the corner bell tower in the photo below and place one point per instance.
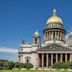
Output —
(54, 30)
(36, 39)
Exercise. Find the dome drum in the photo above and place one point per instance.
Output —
(54, 26)
(55, 40)
(49, 30)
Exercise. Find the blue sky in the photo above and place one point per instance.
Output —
(20, 18)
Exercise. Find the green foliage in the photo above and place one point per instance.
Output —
(63, 65)
(69, 65)
(6, 65)
(19, 65)
(28, 65)
(1, 65)
(22, 65)
(58, 65)
(11, 64)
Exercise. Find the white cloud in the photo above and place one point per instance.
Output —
(8, 50)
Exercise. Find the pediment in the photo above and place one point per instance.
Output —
(54, 47)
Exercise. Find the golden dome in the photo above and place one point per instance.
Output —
(54, 19)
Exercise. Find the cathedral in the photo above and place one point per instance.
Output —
(56, 46)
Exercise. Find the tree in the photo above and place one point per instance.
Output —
(1, 65)
(16, 65)
(6, 65)
(11, 64)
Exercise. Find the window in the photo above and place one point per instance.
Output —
(35, 40)
(27, 59)
(46, 34)
(54, 35)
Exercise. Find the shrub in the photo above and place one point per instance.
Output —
(28, 65)
(65, 65)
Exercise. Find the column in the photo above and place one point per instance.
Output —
(38, 61)
(60, 57)
(46, 60)
(52, 34)
(51, 59)
(61, 35)
(58, 35)
(71, 57)
(56, 58)
(47, 35)
(44, 36)
(42, 60)
(65, 57)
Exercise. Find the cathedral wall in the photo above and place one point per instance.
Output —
(26, 49)
(34, 48)
(34, 59)
(25, 56)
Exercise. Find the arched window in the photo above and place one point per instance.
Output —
(27, 59)
(46, 34)
(35, 40)
(54, 35)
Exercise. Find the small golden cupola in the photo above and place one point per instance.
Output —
(54, 18)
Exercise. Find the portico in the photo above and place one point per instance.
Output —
(53, 53)
(48, 59)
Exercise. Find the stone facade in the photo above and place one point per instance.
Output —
(54, 48)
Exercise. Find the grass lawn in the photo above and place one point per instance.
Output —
(30, 71)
